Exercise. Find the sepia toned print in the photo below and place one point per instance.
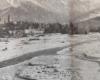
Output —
(49, 40)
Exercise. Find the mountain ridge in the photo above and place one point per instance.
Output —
(28, 11)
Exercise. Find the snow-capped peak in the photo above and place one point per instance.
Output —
(58, 6)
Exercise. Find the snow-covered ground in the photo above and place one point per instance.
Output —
(12, 48)
(50, 67)
(17, 47)
(87, 44)
(78, 63)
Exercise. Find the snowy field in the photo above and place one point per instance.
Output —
(11, 48)
(81, 63)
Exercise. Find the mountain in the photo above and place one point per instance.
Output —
(91, 24)
(51, 10)
(27, 11)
